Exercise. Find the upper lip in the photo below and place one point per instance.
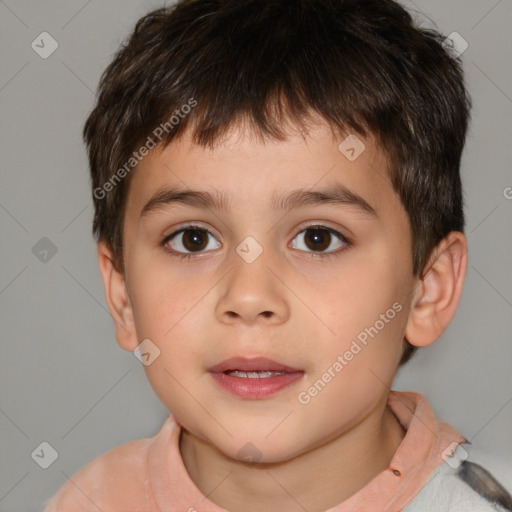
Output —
(253, 364)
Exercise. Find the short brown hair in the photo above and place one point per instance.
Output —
(361, 65)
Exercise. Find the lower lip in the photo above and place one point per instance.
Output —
(255, 388)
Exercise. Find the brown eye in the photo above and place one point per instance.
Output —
(317, 239)
(320, 238)
(194, 239)
(190, 240)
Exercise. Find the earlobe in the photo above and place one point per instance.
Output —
(438, 292)
(117, 299)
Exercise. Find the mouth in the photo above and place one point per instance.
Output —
(255, 378)
(249, 366)
(262, 374)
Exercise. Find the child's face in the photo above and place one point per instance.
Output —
(287, 305)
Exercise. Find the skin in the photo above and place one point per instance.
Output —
(287, 306)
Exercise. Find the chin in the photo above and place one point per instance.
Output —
(260, 452)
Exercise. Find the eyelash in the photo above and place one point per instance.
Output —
(320, 256)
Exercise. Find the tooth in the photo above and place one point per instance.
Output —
(254, 375)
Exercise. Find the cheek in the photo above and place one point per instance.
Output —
(366, 309)
(163, 298)
(169, 311)
(356, 299)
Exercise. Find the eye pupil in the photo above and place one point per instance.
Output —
(194, 239)
(316, 237)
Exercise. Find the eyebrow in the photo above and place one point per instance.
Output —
(335, 194)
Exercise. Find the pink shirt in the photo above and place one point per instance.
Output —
(148, 475)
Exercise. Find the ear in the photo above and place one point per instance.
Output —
(438, 292)
(117, 298)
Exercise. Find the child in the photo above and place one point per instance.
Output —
(228, 139)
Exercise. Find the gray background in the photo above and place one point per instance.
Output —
(65, 380)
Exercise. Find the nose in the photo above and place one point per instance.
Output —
(253, 293)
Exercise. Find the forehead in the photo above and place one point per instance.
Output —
(242, 169)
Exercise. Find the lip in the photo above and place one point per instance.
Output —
(254, 388)
(251, 365)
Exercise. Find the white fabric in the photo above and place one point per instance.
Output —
(447, 492)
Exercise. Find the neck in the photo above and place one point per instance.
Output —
(343, 465)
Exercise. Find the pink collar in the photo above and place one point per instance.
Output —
(390, 491)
